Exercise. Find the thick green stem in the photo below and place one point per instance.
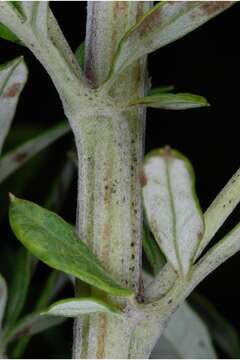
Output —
(110, 151)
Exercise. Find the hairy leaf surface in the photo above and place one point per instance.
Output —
(15, 158)
(172, 208)
(75, 307)
(13, 77)
(185, 337)
(166, 22)
(221, 330)
(31, 324)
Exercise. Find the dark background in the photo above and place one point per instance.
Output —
(205, 62)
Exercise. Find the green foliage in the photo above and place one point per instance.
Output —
(80, 54)
(75, 307)
(6, 34)
(154, 255)
(18, 287)
(167, 101)
(47, 236)
(29, 325)
(161, 25)
(172, 208)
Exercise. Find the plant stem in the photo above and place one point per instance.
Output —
(110, 151)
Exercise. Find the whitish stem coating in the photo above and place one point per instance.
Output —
(220, 209)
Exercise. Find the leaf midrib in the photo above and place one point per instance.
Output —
(174, 215)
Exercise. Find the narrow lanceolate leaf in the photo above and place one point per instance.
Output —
(217, 255)
(152, 251)
(172, 208)
(6, 34)
(224, 335)
(51, 287)
(181, 101)
(164, 23)
(185, 337)
(75, 307)
(3, 298)
(47, 236)
(15, 158)
(31, 324)
(220, 209)
(18, 287)
(13, 77)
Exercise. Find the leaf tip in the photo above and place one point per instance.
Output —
(166, 151)
(11, 197)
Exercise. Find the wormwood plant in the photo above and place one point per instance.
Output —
(119, 310)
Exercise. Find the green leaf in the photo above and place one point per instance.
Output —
(13, 77)
(80, 54)
(75, 307)
(18, 287)
(3, 299)
(222, 332)
(152, 251)
(6, 34)
(15, 158)
(181, 101)
(31, 324)
(161, 89)
(185, 337)
(166, 22)
(172, 208)
(47, 236)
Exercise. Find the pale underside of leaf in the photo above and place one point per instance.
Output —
(13, 77)
(164, 23)
(3, 298)
(220, 209)
(53, 241)
(167, 101)
(15, 158)
(222, 331)
(172, 209)
(217, 255)
(75, 307)
(185, 337)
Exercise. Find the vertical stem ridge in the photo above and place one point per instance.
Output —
(110, 152)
